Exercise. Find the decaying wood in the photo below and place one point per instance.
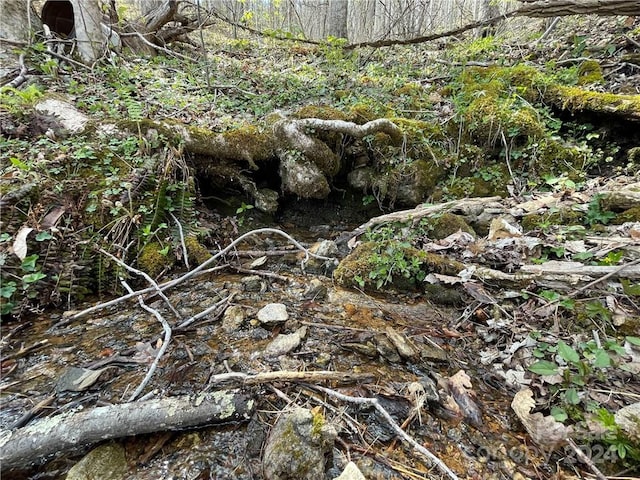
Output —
(465, 205)
(23, 447)
(243, 379)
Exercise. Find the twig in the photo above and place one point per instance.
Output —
(205, 312)
(163, 348)
(396, 428)
(185, 254)
(604, 277)
(586, 460)
(163, 49)
(22, 76)
(193, 272)
(153, 283)
(244, 379)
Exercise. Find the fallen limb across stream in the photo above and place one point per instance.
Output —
(22, 447)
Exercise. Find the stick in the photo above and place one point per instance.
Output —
(205, 312)
(244, 379)
(163, 348)
(190, 274)
(396, 428)
(146, 277)
(185, 254)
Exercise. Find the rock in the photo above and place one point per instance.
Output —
(361, 178)
(106, 462)
(351, 472)
(285, 343)
(297, 445)
(315, 291)
(253, 283)
(266, 200)
(628, 418)
(324, 248)
(273, 313)
(232, 318)
(303, 178)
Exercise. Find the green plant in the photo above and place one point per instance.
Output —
(595, 213)
(241, 212)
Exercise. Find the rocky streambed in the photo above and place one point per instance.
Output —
(396, 349)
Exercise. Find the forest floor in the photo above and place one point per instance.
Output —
(497, 323)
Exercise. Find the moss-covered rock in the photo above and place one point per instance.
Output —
(391, 264)
(196, 251)
(152, 260)
(446, 224)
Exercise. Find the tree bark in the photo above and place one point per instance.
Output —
(554, 8)
(20, 448)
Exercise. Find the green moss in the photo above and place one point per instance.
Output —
(196, 251)
(446, 224)
(576, 99)
(395, 264)
(361, 113)
(152, 261)
(590, 71)
(629, 215)
(564, 216)
(322, 112)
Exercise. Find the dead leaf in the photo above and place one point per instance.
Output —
(501, 228)
(20, 243)
(546, 432)
(76, 379)
(461, 389)
(52, 217)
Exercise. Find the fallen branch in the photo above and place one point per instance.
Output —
(396, 428)
(244, 379)
(185, 277)
(163, 348)
(23, 447)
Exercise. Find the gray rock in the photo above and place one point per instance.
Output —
(273, 313)
(315, 291)
(285, 343)
(324, 248)
(266, 200)
(232, 318)
(253, 283)
(350, 472)
(297, 445)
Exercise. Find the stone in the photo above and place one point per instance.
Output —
(297, 446)
(285, 343)
(273, 313)
(253, 283)
(351, 472)
(106, 462)
(232, 318)
(315, 291)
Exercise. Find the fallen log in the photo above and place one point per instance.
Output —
(25, 446)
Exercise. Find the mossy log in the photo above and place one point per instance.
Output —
(22, 447)
(577, 99)
(306, 162)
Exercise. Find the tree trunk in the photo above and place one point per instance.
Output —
(553, 8)
(63, 432)
(15, 28)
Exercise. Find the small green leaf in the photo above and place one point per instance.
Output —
(43, 236)
(29, 263)
(544, 367)
(571, 396)
(8, 289)
(601, 359)
(633, 340)
(16, 162)
(33, 277)
(568, 353)
(559, 414)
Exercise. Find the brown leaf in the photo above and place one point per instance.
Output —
(461, 389)
(546, 432)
